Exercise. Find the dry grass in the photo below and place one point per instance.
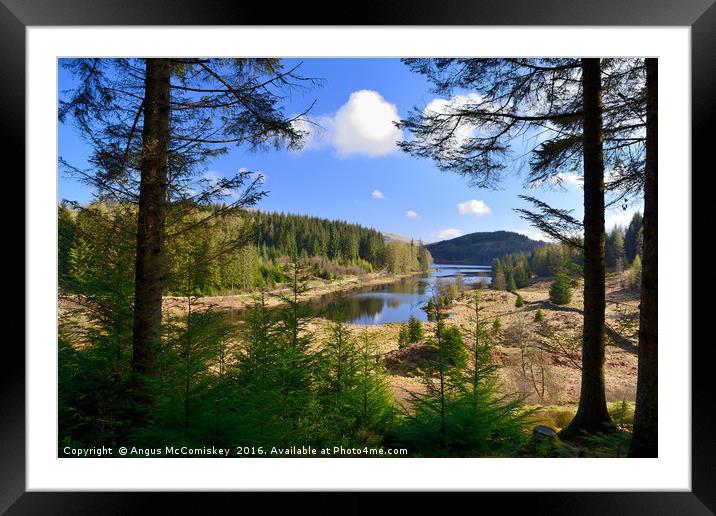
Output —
(562, 380)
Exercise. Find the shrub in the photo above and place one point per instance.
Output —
(563, 417)
(519, 302)
(622, 413)
(496, 325)
(635, 272)
(453, 291)
(539, 315)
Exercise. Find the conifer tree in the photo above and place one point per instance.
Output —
(645, 442)
(153, 125)
(355, 398)
(511, 97)
(403, 336)
(340, 361)
(298, 367)
(511, 285)
(259, 397)
(560, 292)
(633, 237)
(496, 326)
(415, 329)
(375, 397)
(95, 332)
(614, 251)
(499, 281)
(461, 410)
(487, 420)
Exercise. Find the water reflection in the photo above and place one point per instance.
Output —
(397, 301)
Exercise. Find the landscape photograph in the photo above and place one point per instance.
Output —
(357, 257)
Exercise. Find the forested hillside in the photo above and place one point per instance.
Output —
(481, 248)
(241, 252)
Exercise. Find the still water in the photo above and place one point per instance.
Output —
(396, 301)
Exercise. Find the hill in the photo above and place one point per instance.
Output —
(393, 237)
(481, 248)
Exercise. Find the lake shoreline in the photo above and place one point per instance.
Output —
(317, 289)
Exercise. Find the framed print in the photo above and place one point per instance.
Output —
(413, 252)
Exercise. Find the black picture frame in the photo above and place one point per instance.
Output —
(17, 15)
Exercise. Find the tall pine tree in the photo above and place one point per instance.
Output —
(153, 124)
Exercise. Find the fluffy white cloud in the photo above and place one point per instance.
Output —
(473, 207)
(447, 234)
(377, 194)
(364, 125)
(411, 214)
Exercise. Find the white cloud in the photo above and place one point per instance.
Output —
(447, 234)
(212, 176)
(569, 178)
(473, 207)
(364, 125)
(258, 176)
(444, 106)
(211, 179)
(411, 214)
(377, 194)
(318, 131)
(561, 179)
(457, 132)
(254, 176)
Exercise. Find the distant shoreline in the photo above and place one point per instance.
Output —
(463, 264)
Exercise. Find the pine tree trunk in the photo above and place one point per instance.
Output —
(592, 415)
(150, 266)
(645, 440)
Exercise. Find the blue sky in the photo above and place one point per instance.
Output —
(351, 169)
